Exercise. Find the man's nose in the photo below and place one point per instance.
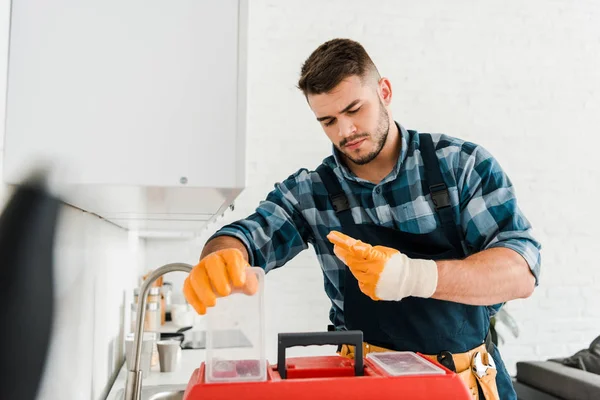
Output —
(346, 127)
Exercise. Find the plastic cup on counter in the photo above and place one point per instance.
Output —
(148, 343)
(169, 354)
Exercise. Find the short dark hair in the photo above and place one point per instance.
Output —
(332, 62)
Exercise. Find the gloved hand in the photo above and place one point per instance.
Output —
(218, 275)
(384, 273)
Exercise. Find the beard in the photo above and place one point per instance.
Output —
(380, 137)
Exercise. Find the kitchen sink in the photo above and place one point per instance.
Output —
(158, 392)
(178, 395)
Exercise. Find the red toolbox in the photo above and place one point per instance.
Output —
(393, 375)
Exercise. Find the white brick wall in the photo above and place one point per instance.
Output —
(521, 79)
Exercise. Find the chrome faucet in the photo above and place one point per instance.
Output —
(133, 387)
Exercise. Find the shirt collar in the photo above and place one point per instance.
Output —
(343, 172)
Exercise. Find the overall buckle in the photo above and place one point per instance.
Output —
(440, 196)
(340, 202)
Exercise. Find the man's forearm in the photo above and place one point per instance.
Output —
(223, 242)
(488, 277)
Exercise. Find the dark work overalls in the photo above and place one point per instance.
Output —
(428, 326)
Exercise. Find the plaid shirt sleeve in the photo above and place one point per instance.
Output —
(489, 214)
(277, 231)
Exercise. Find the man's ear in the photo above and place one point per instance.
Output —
(385, 91)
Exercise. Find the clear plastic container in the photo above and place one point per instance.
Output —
(404, 363)
(235, 336)
(151, 325)
(148, 345)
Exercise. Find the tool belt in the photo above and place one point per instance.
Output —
(475, 367)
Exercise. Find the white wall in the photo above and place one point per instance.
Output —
(96, 269)
(96, 265)
(520, 78)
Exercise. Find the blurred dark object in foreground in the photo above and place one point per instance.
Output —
(27, 231)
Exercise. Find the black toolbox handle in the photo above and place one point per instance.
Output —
(286, 340)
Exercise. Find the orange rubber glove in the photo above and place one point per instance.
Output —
(384, 273)
(218, 275)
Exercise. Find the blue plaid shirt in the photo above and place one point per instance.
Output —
(297, 212)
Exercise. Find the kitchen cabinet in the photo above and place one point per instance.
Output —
(138, 107)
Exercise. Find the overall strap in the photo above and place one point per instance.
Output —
(436, 187)
(336, 195)
(441, 199)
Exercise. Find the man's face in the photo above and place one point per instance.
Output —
(354, 118)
